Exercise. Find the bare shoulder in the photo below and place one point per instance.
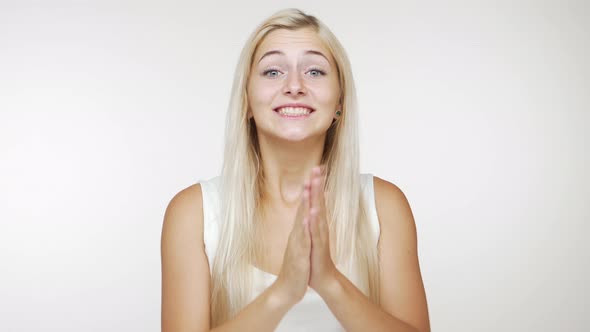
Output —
(397, 224)
(391, 202)
(401, 289)
(185, 209)
(185, 267)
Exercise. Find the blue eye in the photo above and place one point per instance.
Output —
(319, 71)
(314, 73)
(266, 72)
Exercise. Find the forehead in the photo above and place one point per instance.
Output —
(292, 42)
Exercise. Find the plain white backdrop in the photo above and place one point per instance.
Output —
(478, 111)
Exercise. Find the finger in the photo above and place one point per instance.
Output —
(297, 228)
(313, 227)
(306, 233)
(318, 204)
(321, 205)
(303, 236)
(306, 197)
(303, 218)
(323, 228)
(322, 193)
(303, 208)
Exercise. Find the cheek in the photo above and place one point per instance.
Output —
(328, 95)
(261, 95)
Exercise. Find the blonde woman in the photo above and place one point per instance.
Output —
(290, 236)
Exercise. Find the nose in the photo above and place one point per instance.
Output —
(293, 85)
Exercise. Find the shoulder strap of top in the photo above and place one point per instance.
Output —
(369, 194)
(211, 216)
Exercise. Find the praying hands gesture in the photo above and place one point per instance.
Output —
(307, 260)
(323, 269)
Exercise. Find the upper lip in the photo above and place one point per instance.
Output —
(294, 105)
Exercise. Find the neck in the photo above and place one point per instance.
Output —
(286, 166)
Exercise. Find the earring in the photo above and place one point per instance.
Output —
(336, 118)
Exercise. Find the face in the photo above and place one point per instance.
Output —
(293, 67)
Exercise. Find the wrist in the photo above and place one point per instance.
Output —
(280, 296)
(331, 286)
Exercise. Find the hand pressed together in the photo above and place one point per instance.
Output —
(293, 278)
(307, 260)
(323, 269)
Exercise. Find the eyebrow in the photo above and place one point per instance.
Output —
(281, 53)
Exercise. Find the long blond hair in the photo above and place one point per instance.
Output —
(242, 179)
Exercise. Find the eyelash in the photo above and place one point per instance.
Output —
(322, 73)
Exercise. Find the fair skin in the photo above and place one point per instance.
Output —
(290, 148)
(295, 223)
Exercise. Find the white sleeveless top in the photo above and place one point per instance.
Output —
(309, 314)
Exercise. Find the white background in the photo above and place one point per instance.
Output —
(478, 111)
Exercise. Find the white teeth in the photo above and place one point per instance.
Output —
(294, 110)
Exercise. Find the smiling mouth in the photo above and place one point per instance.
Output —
(294, 112)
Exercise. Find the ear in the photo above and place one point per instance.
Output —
(339, 107)
(337, 114)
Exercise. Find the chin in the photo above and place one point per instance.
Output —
(292, 134)
(292, 138)
(297, 137)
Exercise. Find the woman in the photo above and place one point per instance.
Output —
(278, 241)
